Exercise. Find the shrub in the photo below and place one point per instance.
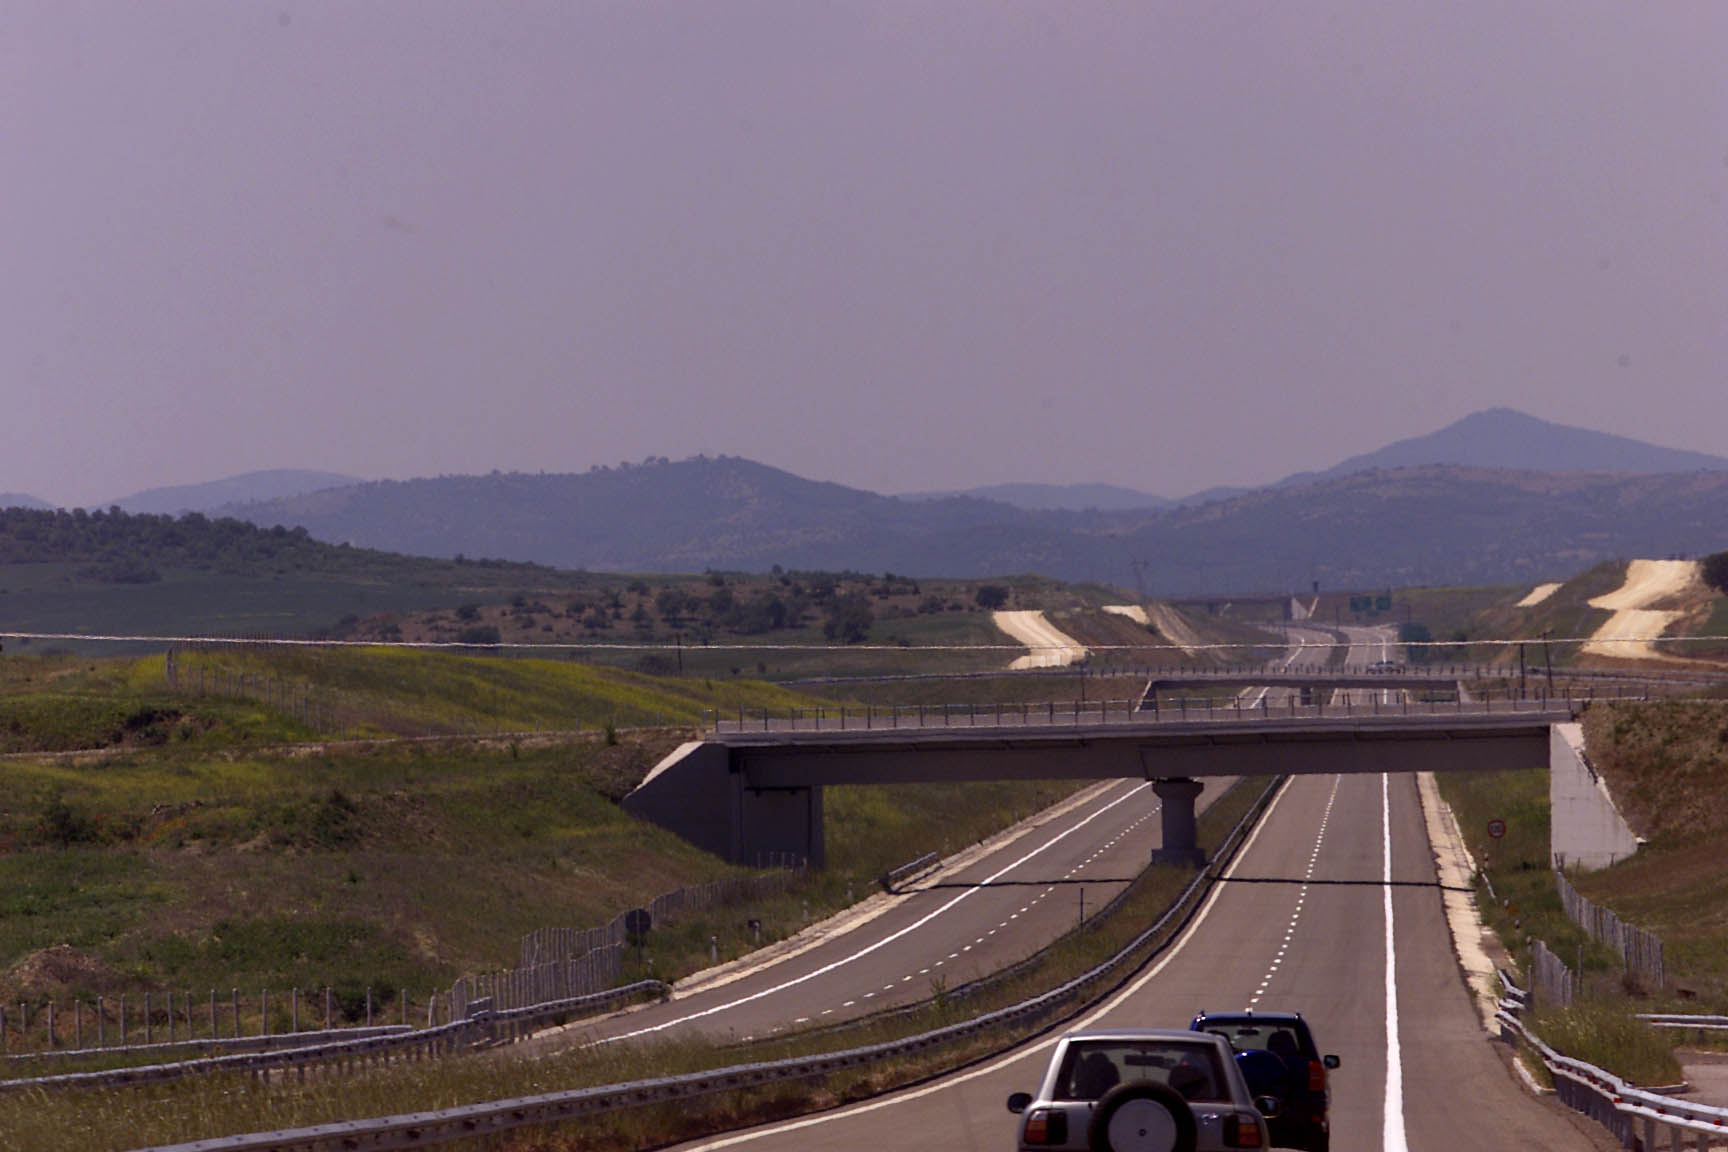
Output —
(63, 826)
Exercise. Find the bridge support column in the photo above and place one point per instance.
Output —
(1181, 837)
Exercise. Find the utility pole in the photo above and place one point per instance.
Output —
(1548, 658)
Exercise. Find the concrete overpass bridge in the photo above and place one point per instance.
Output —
(754, 786)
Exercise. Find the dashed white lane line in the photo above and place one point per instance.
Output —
(1035, 1049)
(1301, 899)
(892, 936)
(1036, 899)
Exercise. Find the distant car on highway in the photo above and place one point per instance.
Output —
(1144, 1090)
(1278, 1057)
(1386, 666)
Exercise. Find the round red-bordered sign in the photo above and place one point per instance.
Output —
(1496, 828)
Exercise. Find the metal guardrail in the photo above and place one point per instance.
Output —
(1634, 1115)
(480, 1028)
(425, 1129)
(1706, 1027)
(1118, 713)
(989, 980)
(909, 870)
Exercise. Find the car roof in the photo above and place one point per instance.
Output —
(1284, 1017)
(1184, 1034)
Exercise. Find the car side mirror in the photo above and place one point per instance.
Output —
(1331, 1061)
(1019, 1102)
(1269, 1106)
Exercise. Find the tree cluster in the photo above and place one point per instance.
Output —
(1715, 569)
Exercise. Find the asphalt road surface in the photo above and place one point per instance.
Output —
(1029, 890)
(1000, 907)
(1306, 921)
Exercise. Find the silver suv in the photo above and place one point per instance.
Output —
(1141, 1090)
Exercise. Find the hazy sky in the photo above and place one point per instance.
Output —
(896, 245)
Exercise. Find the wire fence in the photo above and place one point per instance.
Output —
(1640, 951)
(1551, 981)
(35, 1026)
(559, 963)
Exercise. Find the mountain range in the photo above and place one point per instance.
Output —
(1499, 497)
(1495, 438)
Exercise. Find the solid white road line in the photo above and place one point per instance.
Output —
(1392, 1138)
(948, 1082)
(886, 940)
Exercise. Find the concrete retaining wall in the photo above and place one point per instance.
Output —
(1587, 829)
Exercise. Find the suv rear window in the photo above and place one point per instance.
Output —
(1092, 1068)
(1283, 1038)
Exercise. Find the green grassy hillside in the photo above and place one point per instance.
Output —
(163, 839)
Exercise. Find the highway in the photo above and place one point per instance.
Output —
(997, 907)
(1305, 922)
(1332, 909)
(1031, 887)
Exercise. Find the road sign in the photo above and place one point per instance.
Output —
(1496, 828)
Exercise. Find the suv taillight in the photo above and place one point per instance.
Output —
(1046, 1126)
(1316, 1076)
(1242, 1131)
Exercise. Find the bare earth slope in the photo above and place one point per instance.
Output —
(1648, 582)
(1051, 647)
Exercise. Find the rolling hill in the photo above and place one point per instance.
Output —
(1404, 526)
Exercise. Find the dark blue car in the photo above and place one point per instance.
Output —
(1276, 1054)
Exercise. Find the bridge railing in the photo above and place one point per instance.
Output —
(1076, 713)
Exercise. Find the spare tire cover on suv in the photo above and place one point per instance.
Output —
(1141, 1117)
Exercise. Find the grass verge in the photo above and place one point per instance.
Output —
(105, 1119)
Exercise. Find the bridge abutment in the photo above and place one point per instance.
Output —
(699, 793)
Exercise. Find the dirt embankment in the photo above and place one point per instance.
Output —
(1174, 628)
(1637, 619)
(1051, 647)
(1537, 595)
